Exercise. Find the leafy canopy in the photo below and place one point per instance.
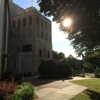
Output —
(84, 33)
(58, 55)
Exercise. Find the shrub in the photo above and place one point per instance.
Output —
(7, 75)
(18, 77)
(41, 69)
(24, 92)
(50, 70)
(7, 88)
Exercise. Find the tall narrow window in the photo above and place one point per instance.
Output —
(46, 36)
(15, 63)
(19, 23)
(30, 20)
(22, 63)
(14, 24)
(14, 35)
(37, 21)
(24, 22)
(46, 25)
(49, 28)
(40, 53)
(42, 35)
(17, 49)
(11, 34)
(10, 48)
(41, 23)
(17, 36)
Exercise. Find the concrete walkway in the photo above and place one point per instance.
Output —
(56, 89)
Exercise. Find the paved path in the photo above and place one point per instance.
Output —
(56, 89)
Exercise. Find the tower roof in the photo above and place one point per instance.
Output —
(30, 9)
(15, 9)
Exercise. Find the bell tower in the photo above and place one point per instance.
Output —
(11, 0)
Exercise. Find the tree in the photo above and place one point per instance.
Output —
(92, 59)
(84, 32)
(58, 55)
(70, 61)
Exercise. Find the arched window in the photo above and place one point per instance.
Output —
(24, 22)
(40, 53)
(37, 21)
(19, 23)
(44, 53)
(42, 23)
(14, 24)
(30, 20)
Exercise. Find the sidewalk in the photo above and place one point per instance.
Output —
(57, 89)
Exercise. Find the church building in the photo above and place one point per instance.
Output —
(30, 39)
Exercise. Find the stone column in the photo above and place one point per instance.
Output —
(3, 31)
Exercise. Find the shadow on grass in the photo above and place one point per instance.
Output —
(92, 94)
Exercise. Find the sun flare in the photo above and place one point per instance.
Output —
(67, 22)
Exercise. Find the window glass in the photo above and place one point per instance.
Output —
(30, 20)
(27, 48)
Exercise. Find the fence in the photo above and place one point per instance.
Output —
(78, 73)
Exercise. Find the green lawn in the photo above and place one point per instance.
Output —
(93, 91)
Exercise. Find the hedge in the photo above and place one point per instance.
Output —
(49, 69)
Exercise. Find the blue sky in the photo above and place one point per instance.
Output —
(59, 41)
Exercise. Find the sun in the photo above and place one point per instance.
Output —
(67, 22)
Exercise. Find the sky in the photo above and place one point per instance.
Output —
(59, 41)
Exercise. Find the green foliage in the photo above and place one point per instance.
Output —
(58, 55)
(54, 70)
(41, 69)
(92, 59)
(24, 92)
(84, 33)
(8, 75)
(70, 61)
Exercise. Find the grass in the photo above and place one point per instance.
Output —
(93, 91)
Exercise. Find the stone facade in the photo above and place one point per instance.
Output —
(4, 31)
(30, 41)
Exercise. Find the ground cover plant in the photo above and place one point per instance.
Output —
(11, 90)
(93, 91)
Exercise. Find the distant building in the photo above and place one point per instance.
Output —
(30, 39)
(79, 64)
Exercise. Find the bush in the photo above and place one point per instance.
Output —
(18, 77)
(24, 92)
(50, 70)
(41, 69)
(7, 89)
(7, 76)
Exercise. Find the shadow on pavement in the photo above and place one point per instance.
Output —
(38, 82)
